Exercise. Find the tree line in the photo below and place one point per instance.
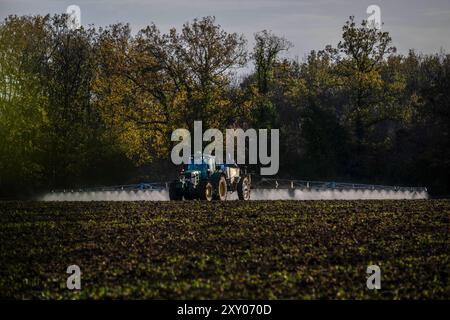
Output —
(93, 106)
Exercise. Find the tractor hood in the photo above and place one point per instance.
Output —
(190, 176)
(190, 173)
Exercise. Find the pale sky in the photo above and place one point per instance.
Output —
(308, 24)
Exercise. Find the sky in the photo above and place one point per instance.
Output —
(308, 24)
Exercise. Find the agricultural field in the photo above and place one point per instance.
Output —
(233, 249)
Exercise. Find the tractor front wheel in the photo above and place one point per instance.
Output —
(189, 196)
(221, 189)
(174, 192)
(206, 191)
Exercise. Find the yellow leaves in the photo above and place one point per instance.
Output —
(397, 86)
(131, 141)
(296, 88)
(365, 80)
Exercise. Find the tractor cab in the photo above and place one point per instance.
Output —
(204, 165)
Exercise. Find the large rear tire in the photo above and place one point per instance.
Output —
(243, 189)
(221, 189)
(206, 191)
(174, 192)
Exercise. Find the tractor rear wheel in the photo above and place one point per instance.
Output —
(243, 189)
(221, 189)
(174, 192)
(206, 191)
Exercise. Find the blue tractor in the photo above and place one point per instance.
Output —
(203, 179)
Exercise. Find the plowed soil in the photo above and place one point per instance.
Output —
(250, 250)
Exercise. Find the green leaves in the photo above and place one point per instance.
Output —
(287, 250)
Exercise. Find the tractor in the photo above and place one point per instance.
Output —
(203, 179)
